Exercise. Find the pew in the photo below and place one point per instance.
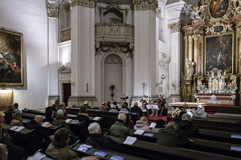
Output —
(110, 153)
(154, 151)
(213, 124)
(25, 110)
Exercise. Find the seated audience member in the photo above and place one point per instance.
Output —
(59, 120)
(65, 113)
(136, 109)
(168, 136)
(16, 120)
(103, 107)
(86, 105)
(83, 116)
(108, 106)
(186, 130)
(16, 110)
(97, 139)
(124, 109)
(142, 125)
(39, 138)
(119, 129)
(114, 108)
(159, 124)
(49, 115)
(9, 114)
(3, 152)
(183, 111)
(59, 148)
(15, 152)
(54, 110)
(200, 112)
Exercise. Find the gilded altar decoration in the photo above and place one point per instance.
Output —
(11, 58)
(218, 8)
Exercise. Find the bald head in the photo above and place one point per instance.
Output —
(39, 118)
(94, 128)
(122, 117)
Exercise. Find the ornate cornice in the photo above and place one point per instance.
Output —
(142, 5)
(53, 12)
(83, 3)
(175, 27)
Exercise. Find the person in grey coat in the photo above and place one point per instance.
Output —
(200, 112)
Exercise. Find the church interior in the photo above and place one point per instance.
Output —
(156, 67)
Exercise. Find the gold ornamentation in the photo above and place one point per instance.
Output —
(53, 12)
(190, 69)
(175, 27)
(142, 5)
(233, 80)
(83, 3)
(226, 27)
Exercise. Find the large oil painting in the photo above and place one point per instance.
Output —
(219, 53)
(11, 58)
(218, 8)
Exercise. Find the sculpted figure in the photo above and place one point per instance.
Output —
(190, 69)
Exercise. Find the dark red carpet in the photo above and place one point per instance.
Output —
(154, 118)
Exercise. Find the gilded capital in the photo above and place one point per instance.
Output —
(175, 27)
(83, 3)
(53, 12)
(142, 5)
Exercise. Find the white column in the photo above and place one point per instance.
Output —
(53, 64)
(174, 19)
(145, 54)
(82, 51)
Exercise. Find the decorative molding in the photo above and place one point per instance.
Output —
(113, 59)
(175, 27)
(53, 12)
(225, 28)
(83, 3)
(65, 34)
(114, 30)
(142, 5)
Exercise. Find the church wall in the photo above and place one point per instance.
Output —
(30, 18)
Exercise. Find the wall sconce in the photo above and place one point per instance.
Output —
(72, 83)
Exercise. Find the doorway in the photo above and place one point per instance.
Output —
(66, 92)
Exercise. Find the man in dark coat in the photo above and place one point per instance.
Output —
(186, 130)
(97, 139)
(136, 109)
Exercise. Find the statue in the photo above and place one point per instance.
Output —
(124, 99)
(233, 80)
(190, 69)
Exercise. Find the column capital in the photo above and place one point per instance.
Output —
(175, 27)
(196, 36)
(83, 3)
(142, 5)
(53, 12)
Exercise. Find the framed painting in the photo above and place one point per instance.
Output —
(218, 8)
(219, 53)
(11, 58)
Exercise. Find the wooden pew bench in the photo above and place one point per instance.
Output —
(110, 153)
(154, 151)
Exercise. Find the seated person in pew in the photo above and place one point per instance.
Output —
(83, 116)
(86, 105)
(159, 124)
(48, 115)
(168, 136)
(142, 124)
(17, 120)
(97, 139)
(200, 112)
(119, 129)
(15, 152)
(16, 110)
(65, 113)
(39, 138)
(124, 109)
(9, 114)
(186, 130)
(108, 105)
(59, 148)
(114, 105)
(103, 107)
(113, 109)
(55, 108)
(3, 152)
(136, 109)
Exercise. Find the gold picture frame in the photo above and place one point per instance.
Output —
(11, 58)
(219, 53)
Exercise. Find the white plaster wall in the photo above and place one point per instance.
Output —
(30, 18)
(64, 53)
